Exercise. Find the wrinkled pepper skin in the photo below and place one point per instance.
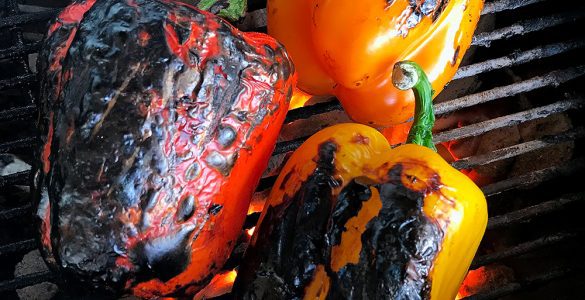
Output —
(351, 218)
(157, 121)
(348, 48)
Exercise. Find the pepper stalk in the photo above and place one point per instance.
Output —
(409, 75)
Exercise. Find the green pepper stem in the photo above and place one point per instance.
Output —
(409, 75)
(233, 12)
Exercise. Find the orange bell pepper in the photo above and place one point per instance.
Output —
(351, 218)
(347, 48)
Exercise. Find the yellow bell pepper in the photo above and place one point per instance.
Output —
(351, 218)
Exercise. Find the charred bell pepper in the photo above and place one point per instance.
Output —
(157, 120)
(351, 218)
(347, 48)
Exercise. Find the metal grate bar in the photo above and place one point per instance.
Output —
(526, 283)
(21, 143)
(13, 82)
(515, 59)
(535, 177)
(289, 146)
(507, 121)
(14, 213)
(519, 149)
(26, 280)
(22, 19)
(16, 51)
(18, 247)
(553, 78)
(485, 39)
(19, 113)
(528, 213)
(309, 111)
(18, 178)
(502, 5)
(522, 248)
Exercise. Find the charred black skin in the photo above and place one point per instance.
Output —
(107, 153)
(398, 245)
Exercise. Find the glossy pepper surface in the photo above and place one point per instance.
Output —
(348, 48)
(157, 121)
(351, 218)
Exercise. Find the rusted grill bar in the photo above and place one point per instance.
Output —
(14, 213)
(527, 26)
(309, 111)
(15, 178)
(16, 51)
(22, 19)
(20, 143)
(534, 178)
(523, 248)
(519, 58)
(13, 82)
(554, 78)
(22, 246)
(506, 121)
(503, 5)
(525, 283)
(26, 280)
(528, 213)
(19, 113)
(518, 149)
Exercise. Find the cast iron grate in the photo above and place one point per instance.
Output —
(525, 57)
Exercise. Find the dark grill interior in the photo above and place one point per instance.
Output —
(513, 117)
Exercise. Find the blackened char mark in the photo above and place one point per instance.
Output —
(348, 204)
(398, 248)
(289, 247)
(165, 256)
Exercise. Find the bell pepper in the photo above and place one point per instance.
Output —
(347, 48)
(156, 121)
(351, 218)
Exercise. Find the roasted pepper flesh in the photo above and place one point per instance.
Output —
(350, 217)
(348, 48)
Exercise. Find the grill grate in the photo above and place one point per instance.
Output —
(548, 73)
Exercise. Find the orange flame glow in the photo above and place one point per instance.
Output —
(221, 284)
(250, 231)
(473, 282)
(299, 99)
(397, 134)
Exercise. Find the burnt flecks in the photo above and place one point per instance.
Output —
(398, 247)
(290, 239)
(428, 8)
(455, 56)
(215, 209)
(139, 100)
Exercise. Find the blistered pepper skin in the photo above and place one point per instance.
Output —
(350, 218)
(348, 48)
(157, 121)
